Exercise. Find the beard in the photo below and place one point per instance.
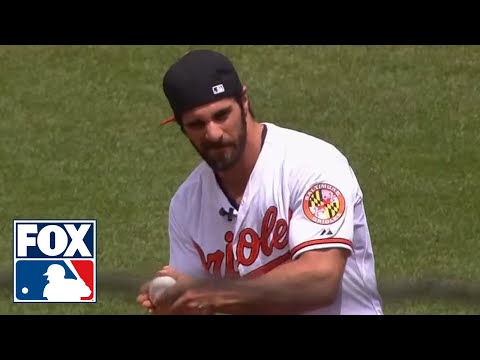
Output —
(222, 156)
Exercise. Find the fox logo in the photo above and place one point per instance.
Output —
(54, 261)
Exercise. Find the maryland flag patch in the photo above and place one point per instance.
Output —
(323, 204)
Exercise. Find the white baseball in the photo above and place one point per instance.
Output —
(159, 284)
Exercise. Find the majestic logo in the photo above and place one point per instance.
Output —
(323, 204)
(326, 232)
(54, 261)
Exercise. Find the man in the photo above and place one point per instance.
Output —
(271, 222)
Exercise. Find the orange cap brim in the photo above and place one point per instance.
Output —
(168, 120)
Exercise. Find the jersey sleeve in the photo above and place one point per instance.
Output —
(322, 207)
(184, 257)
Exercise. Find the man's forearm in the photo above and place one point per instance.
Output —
(291, 288)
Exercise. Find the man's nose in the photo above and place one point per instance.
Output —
(214, 132)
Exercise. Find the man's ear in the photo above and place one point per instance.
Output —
(245, 99)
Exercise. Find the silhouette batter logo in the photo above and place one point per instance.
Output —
(54, 261)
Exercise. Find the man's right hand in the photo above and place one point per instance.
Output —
(143, 299)
(161, 308)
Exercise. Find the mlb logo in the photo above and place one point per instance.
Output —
(54, 261)
(218, 89)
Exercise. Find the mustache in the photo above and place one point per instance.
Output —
(217, 145)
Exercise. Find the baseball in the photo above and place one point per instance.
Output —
(158, 285)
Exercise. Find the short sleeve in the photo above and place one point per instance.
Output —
(322, 206)
(184, 257)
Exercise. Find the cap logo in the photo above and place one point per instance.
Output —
(217, 89)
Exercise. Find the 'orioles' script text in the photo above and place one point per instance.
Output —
(249, 245)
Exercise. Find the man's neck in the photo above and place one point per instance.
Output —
(235, 180)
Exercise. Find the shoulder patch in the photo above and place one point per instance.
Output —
(323, 204)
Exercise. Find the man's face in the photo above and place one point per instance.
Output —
(218, 132)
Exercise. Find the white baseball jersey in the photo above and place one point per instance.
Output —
(302, 195)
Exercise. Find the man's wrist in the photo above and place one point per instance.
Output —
(236, 297)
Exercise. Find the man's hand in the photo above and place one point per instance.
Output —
(203, 299)
(143, 299)
(164, 305)
(208, 296)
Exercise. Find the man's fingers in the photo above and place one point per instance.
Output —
(165, 273)
(174, 299)
(144, 301)
(190, 299)
(192, 303)
(144, 288)
(169, 295)
(168, 271)
(165, 268)
(147, 304)
(141, 298)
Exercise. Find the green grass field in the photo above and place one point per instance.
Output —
(81, 139)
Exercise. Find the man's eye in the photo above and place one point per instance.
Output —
(196, 125)
(222, 116)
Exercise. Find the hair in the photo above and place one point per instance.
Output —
(238, 99)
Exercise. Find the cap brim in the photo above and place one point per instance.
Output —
(168, 120)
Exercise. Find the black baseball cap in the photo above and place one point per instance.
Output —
(198, 78)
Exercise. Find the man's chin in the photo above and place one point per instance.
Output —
(221, 165)
(222, 159)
